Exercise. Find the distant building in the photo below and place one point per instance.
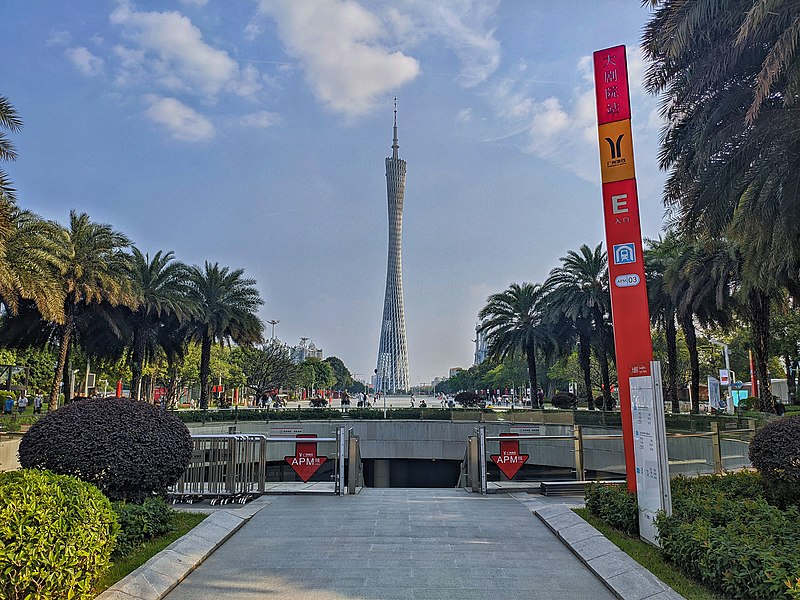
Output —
(454, 370)
(305, 349)
(481, 345)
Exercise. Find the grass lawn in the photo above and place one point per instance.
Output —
(651, 559)
(122, 566)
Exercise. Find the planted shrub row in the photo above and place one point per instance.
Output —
(139, 523)
(615, 505)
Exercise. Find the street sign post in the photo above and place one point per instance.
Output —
(650, 437)
(630, 314)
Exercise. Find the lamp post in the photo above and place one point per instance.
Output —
(727, 362)
(273, 322)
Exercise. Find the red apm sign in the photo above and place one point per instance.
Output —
(630, 313)
(305, 461)
(509, 461)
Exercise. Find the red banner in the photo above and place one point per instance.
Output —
(630, 312)
(611, 85)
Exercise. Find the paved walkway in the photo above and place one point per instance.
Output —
(386, 544)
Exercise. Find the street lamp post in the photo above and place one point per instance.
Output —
(273, 322)
(727, 364)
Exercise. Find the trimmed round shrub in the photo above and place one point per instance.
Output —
(749, 403)
(775, 452)
(598, 403)
(56, 535)
(129, 449)
(467, 398)
(566, 400)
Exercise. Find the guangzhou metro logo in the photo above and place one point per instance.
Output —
(616, 151)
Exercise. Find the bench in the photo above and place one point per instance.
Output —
(559, 488)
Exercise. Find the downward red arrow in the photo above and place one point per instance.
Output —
(305, 461)
(509, 460)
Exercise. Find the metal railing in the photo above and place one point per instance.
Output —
(232, 467)
(474, 472)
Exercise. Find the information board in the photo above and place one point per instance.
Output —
(650, 448)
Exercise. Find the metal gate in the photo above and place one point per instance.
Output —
(232, 467)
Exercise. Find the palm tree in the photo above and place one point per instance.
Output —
(579, 290)
(93, 268)
(161, 287)
(28, 262)
(728, 74)
(513, 322)
(10, 121)
(225, 305)
(660, 257)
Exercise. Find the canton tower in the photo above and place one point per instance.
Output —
(392, 369)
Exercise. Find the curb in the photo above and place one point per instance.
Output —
(158, 576)
(626, 578)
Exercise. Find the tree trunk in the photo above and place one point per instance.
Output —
(672, 363)
(602, 357)
(205, 362)
(759, 304)
(791, 378)
(530, 355)
(585, 360)
(691, 343)
(137, 361)
(63, 350)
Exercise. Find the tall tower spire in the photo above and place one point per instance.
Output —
(395, 145)
(391, 374)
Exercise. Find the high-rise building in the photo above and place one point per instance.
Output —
(392, 371)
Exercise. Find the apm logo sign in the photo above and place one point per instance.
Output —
(616, 151)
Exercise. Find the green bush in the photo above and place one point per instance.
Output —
(565, 400)
(749, 403)
(141, 522)
(129, 449)
(724, 533)
(56, 535)
(230, 415)
(466, 399)
(615, 505)
(775, 452)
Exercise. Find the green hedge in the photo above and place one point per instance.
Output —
(722, 532)
(257, 414)
(56, 535)
(615, 505)
(139, 523)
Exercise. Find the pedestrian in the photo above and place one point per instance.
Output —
(8, 405)
(22, 403)
(412, 399)
(540, 397)
(37, 404)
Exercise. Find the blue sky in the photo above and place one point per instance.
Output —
(253, 133)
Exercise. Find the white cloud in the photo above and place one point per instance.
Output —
(169, 47)
(197, 3)
(59, 38)
(338, 44)
(465, 26)
(262, 119)
(182, 122)
(86, 62)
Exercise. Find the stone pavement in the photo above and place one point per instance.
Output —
(386, 544)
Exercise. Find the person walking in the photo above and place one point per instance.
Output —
(540, 397)
(37, 404)
(412, 399)
(22, 403)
